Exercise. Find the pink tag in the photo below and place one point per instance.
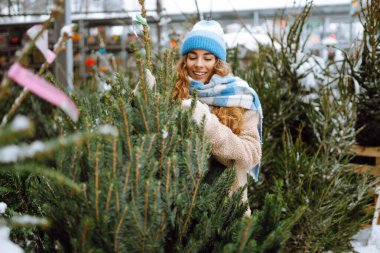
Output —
(43, 89)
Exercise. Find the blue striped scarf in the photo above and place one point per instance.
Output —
(230, 91)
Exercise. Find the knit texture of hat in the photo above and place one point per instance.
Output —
(206, 35)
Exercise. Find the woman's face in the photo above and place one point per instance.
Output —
(200, 65)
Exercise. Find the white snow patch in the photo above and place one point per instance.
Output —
(108, 130)
(248, 39)
(12, 153)
(20, 123)
(150, 79)
(29, 220)
(374, 238)
(3, 207)
(164, 133)
(6, 245)
(106, 86)
(361, 244)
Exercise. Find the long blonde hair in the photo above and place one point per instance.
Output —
(229, 116)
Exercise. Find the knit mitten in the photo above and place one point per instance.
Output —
(201, 111)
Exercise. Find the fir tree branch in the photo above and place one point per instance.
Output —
(137, 169)
(167, 178)
(84, 235)
(244, 239)
(156, 102)
(110, 190)
(114, 156)
(120, 224)
(166, 55)
(146, 37)
(142, 112)
(126, 125)
(126, 180)
(97, 191)
(41, 170)
(146, 206)
(162, 156)
(142, 79)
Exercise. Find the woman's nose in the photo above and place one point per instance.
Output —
(199, 62)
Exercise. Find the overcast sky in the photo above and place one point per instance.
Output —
(178, 6)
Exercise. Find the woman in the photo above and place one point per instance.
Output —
(230, 108)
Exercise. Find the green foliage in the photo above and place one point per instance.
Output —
(267, 229)
(148, 188)
(368, 77)
(308, 134)
(143, 190)
(138, 194)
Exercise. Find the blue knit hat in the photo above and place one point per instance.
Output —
(206, 35)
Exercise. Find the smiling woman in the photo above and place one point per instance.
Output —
(227, 108)
(200, 65)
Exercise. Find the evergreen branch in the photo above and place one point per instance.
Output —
(137, 169)
(172, 138)
(166, 55)
(121, 221)
(73, 161)
(156, 190)
(187, 161)
(84, 235)
(162, 155)
(20, 127)
(41, 170)
(146, 37)
(149, 150)
(244, 239)
(126, 180)
(97, 191)
(109, 194)
(194, 192)
(282, 232)
(143, 114)
(191, 206)
(142, 79)
(167, 175)
(114, 162)
(126, 125)
(157, 112)
(117, 201)
(114, 156)
(38, 149)
(198, 158)
(146, 206)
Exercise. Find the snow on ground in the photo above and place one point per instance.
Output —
(367, 240)
(6, 245)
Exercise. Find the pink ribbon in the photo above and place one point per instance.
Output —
(43, 89)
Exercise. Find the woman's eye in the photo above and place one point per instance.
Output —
(208, 59)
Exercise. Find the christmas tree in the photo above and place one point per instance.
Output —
(368, 77)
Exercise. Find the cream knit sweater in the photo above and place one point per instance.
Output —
(244, 149)
(227, 147)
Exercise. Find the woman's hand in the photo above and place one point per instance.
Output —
(201, 111)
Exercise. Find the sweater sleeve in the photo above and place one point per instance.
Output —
(244, 148)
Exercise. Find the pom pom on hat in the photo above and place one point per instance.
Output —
(206, 35)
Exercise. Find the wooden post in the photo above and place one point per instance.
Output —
(373, 152)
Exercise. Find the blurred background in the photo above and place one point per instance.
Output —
(108, 25)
